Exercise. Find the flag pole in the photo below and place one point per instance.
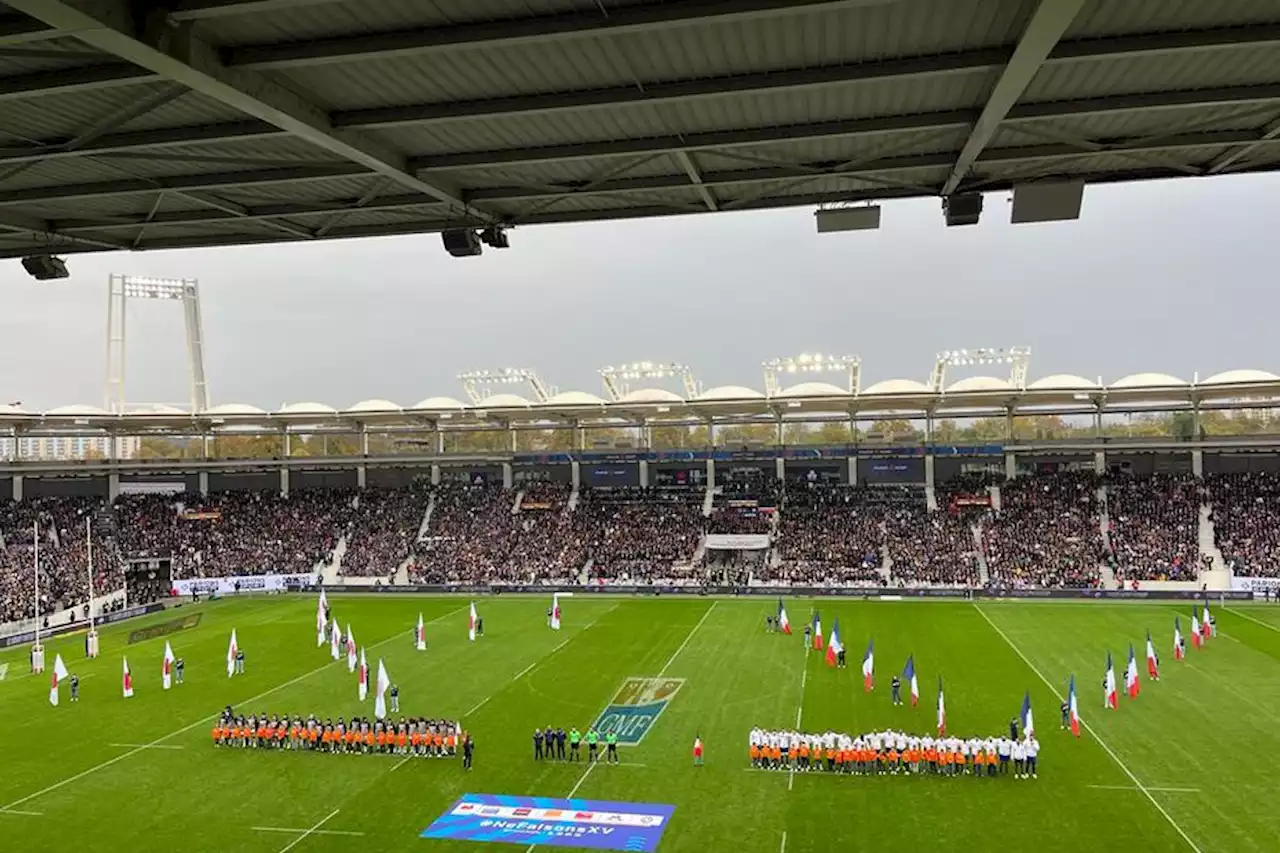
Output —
(35, 530)
(88, 547)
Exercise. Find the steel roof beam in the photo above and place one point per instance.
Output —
(82, 78)
(19, 29)
(587, 23)
(221, 180)
(695, 178)
(910, 162)
(1044, 30)
(47, 232)
(201, 10)
(176, 53)
(1225, 162)
(55, 149)
(660, 92)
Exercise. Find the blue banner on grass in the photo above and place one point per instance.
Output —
(560, 823)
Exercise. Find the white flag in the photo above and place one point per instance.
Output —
(471, 623)
(363, 689)
(380, 692)
(555, 611)
(232, 649)
(60, 675)
(167, 670)
(126, 685)
(420, 635)
(335, 641)
(321, 606)
(351, 650)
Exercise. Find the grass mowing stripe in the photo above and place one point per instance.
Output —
(1124, 767)
(583, 778)
(203, 720)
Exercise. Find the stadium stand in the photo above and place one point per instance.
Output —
(640, 533)
(1154, 527)
(1047, 533)
(381, 531)
(830, 535)
(1246, 518)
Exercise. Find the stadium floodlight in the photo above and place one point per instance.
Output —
(122, 288)
(618, 379)
(1016, 357)
(479, 384)
(850, 365)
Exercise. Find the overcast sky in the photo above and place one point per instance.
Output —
(1172, 276)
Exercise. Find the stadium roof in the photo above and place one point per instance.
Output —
(254, 121)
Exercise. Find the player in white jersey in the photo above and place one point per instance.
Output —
(1031, 749)
(1019, 759)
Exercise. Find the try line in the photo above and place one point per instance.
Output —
(200, 722)
(1143, 788)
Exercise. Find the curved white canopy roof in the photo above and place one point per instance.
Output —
(504, 401)
(374, 405)
(307, 409)
(439, 403)
(575, 398)
(1062, 382)
(813, 389)
(898, 386)
(233, 409)
(6, 409)
(1229, 377)
(1147, 380)
(979, 383)
(78, 411)
(651, 395)
(730, 392)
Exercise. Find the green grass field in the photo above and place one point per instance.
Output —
(1189, 765)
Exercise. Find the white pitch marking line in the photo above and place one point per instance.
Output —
(1131, 788)
(122, 756)
(783, 848)
(401, 763)
(147, 745)
(662, 672)
(1252, 619)
(1102, 743)
(21, 812)
(313, 832)
(295, 842)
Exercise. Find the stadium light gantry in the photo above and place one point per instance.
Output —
(1017, 358)
(479, 384)
(618, 378)
(810, 363)
(123, 288)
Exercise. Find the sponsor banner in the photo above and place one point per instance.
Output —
(152, 487)
(971, 500)
(535, 505)
(636, 706)
(737, 541)
(244, 583)
(1258, 585)
(163, 629)
(201, 515)
(67, 628)
(595, 824)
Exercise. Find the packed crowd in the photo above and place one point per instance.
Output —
(639, 533)
(931, 547)
(381, 530)
(1047, 532)
(1246, 519)
(1154, 527)
(830, 535)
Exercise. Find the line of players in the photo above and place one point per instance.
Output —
(414, 737)
(548, 744)
(893, 752)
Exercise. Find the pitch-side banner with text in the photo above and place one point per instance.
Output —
(558, 823)
(245, 583)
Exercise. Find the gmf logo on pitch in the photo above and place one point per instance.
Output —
(636, 707)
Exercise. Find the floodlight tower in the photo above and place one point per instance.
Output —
(479, 384)
(1016, 357)
(122, 288)
(618, 379)
(849, 365)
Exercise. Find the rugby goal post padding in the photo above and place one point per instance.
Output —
(37, 659)
(91, 644)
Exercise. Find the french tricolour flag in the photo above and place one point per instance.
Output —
(1028, 722)
(784, 624)
(835, 646)
(1179, 648)
(1073, 707)
(1109, 697)
(335, 640)
(817, 631)
(1206, 625)
(419, 636)
(1131, 683)
(126, 681)
(869, 667)
(942, 710)
(321, 606)
(362, 687)
(351, 649)
(232, 648)
(555, 611)
(60, 675)
(912, 684)
(1153, 662)
(471, 623)
(1196, 637)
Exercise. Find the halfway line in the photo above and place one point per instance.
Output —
(134, 751)
(1143, 788)
(313, 832)
(1131, 788)
(147, 745)
(294, 843)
